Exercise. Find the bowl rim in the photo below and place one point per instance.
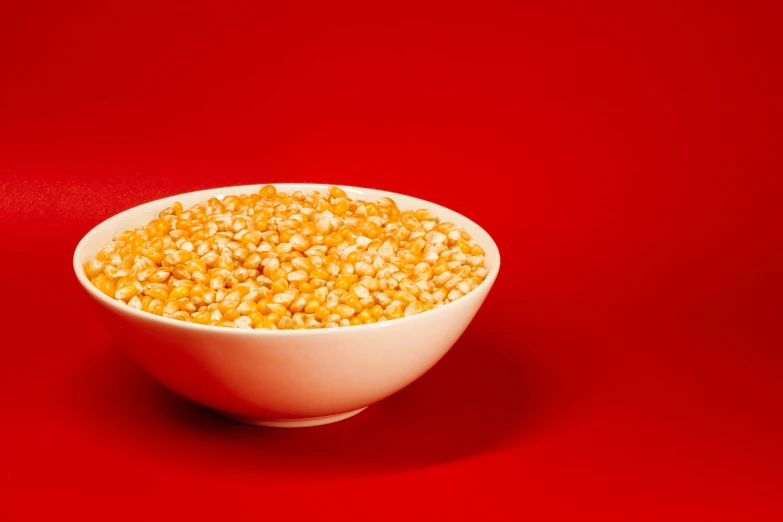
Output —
(122, 308)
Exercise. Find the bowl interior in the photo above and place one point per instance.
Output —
(102, 234)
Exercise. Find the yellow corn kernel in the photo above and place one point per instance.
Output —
(298, 276)
(177, 258)
(180, 316)
(261, 223)
(377, 311)
(312, 306)
(277, 309)
(298, 304)
(370, 283)
(231, 314)
(439, 267)
(451, 283)
(125, 292)
(322, 313)
(256, 318)
(336, 192)
(176, 283)
(145, 302)
(268, 191)
(179, 292)
(363, 268)
(200, 318)
(319, 273)
(284, 298)
(200, 277)
(247, 307)
(253, 261)
(170, 307)
(344, 311)
(279, 286)
(463, 246)
(316, 256)
(300, 242)
(105, 286)
(159, 276)
(307, 288)
(343, 282)
(135, 302)
(410, 287)
(196, 265)
(416, 307)
(439, 295)
(243, 322)
(352, 301)
(340, 208)
(93, 268)
(267, 324)
(186, 305)
(352, 258)
(155, 307)
(277, 274)
(332, 240)
(394, 312)
(180, 272)
(225, 262)
(285, 323)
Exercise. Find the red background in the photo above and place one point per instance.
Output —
(625, 157)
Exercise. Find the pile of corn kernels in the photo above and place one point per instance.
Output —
(289, 261)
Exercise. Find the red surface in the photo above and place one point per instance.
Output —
(627, 365)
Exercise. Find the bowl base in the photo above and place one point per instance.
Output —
(291, 423)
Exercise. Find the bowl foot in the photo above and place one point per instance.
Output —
(291, 423)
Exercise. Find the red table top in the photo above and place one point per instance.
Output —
(626, 158)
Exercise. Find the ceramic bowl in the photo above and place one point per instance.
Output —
(285, 378)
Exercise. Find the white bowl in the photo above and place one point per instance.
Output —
(285, 378)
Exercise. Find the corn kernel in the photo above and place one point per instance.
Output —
(273, 260)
